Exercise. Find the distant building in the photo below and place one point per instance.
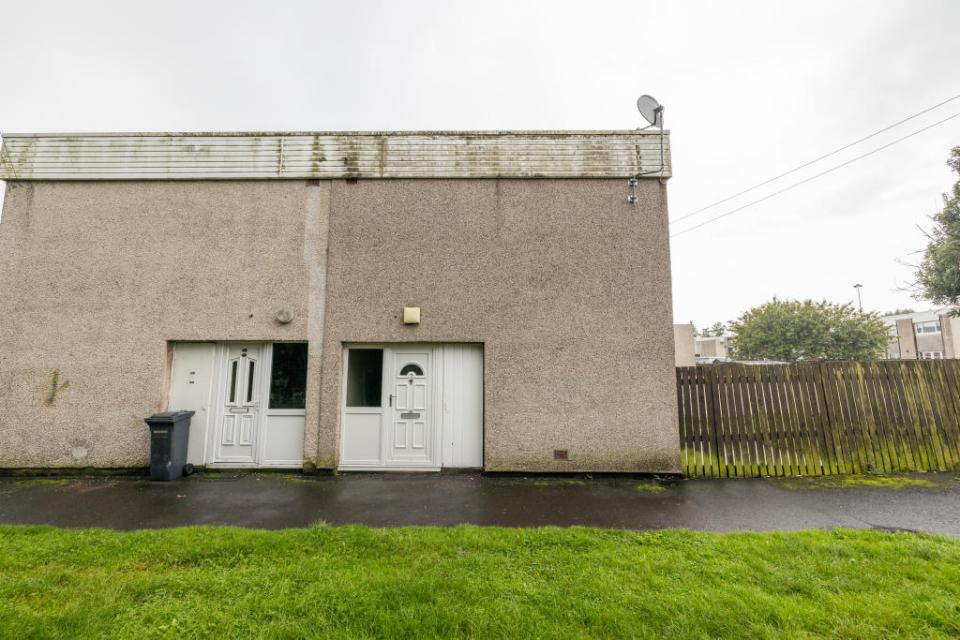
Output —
(708, 349)
(684, 336)
(691, 349)
(923, 335)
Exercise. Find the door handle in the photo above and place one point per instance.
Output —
(391, 399)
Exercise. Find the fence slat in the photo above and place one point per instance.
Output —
(883, 416)
(714, 424)
(931, 420)
(915, 413)
(708, 440)
(786, 419)
(839, 416)
(808, 421)
(759, 423)
(808, 425)
(898, 423)
(799, 420)
(858, 440)
(827, 418)
(950, 404)
(940, 411)
(867, 430)
(742, 424)
(730, 423)
(818, 412)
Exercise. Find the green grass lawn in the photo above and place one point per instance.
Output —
(338, 582)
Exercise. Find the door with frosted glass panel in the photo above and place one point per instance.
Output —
(240, 419)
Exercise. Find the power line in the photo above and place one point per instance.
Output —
(814, 177)
(815, 160)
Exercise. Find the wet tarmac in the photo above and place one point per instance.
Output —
(919, 502)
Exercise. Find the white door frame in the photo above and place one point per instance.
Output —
(386, 412)
(264, 354)
(392, 360)
(279, 431)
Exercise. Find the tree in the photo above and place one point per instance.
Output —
(938, 276)
(790, 330)
(714, 331)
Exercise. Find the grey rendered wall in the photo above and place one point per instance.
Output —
(566, 284)
(96, 277)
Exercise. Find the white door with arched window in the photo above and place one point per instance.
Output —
(411, 432)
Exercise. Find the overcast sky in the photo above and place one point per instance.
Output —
(751, 89)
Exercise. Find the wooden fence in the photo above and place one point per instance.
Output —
(819, 418)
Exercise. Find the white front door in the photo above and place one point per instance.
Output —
(240, 407)
(193, 379)
(411, 433)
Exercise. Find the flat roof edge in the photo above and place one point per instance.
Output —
(392, 133)
(318, 155)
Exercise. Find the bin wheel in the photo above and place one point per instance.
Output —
(187, 469)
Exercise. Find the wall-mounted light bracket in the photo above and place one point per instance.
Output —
(632, 196)
(411, 315)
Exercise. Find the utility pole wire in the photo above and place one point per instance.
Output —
(814, 177)
(815, 160)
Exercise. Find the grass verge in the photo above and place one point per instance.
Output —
(341, 582)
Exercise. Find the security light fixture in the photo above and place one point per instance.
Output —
(411, 315)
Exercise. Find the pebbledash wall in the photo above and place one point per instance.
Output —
(114, 246)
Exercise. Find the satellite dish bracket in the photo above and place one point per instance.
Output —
(652, 112)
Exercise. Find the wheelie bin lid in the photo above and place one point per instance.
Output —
(168, 417)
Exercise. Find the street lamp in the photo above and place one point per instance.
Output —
(859, 286)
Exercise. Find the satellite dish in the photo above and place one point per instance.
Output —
(651, 110)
